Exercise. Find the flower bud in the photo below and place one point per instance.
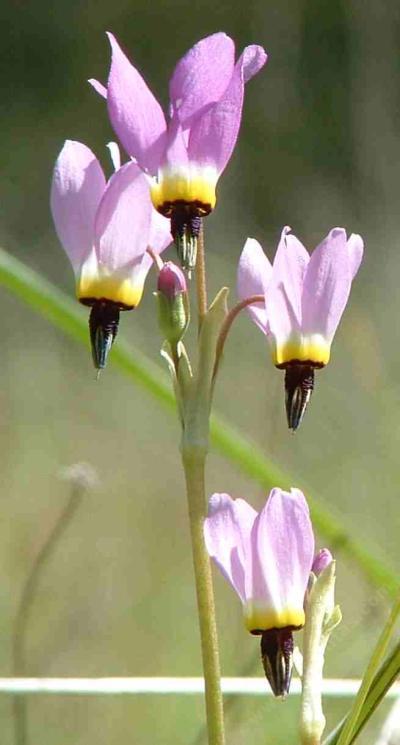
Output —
(171, 280)
(173, 307)
(321, 561)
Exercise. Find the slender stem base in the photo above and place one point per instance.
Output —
(194, 465)
(80, 477)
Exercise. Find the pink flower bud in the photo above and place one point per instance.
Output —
(173, 304)
(321, 561)
(171, 281)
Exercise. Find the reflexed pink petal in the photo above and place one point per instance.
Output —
(123, 219)
(283, 550)
(254, 272)
(327, 285)
(77, 188)
(176, 154)
(140, 269)
(135, 113)
(355, 246)
(227, 534)
(160, 232)
(290, 265)
(99, 87)
(201, 77)
(285, 287)
(253, 58)
(213, 136)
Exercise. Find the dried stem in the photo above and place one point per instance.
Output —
(79, 486)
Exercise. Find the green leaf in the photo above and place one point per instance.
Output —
(373, 686)
(68, 316)
(383, 680)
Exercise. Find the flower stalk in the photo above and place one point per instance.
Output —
(231, 316)
(195, 393)
(194, 466)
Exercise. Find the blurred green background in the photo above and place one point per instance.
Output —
(319, 147)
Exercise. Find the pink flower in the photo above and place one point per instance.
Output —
(185, 156)
(105, 229)
(304, 301)
(267, 559)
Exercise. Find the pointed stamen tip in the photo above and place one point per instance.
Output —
(103, 326)
(277, 659)
(185, 230)
(299, 385)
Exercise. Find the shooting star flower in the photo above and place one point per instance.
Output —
(185, 157)
(267, 558)
(105, 229)
(304, 301)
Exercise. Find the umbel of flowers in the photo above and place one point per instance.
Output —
(185, 155)
(112, 231)
(304, 298)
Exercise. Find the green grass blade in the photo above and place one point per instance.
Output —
(381, 683)
(360, 701)
(65, 313)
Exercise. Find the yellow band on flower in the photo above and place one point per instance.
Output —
(116, 289)
(313, 348)
(263, 619)
(189, 185)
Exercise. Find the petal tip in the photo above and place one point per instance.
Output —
(337, 233)
(216, 502)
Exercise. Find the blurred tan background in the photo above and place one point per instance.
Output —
(319, 147)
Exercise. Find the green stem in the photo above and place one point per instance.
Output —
(196, 424)
(194, 466)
